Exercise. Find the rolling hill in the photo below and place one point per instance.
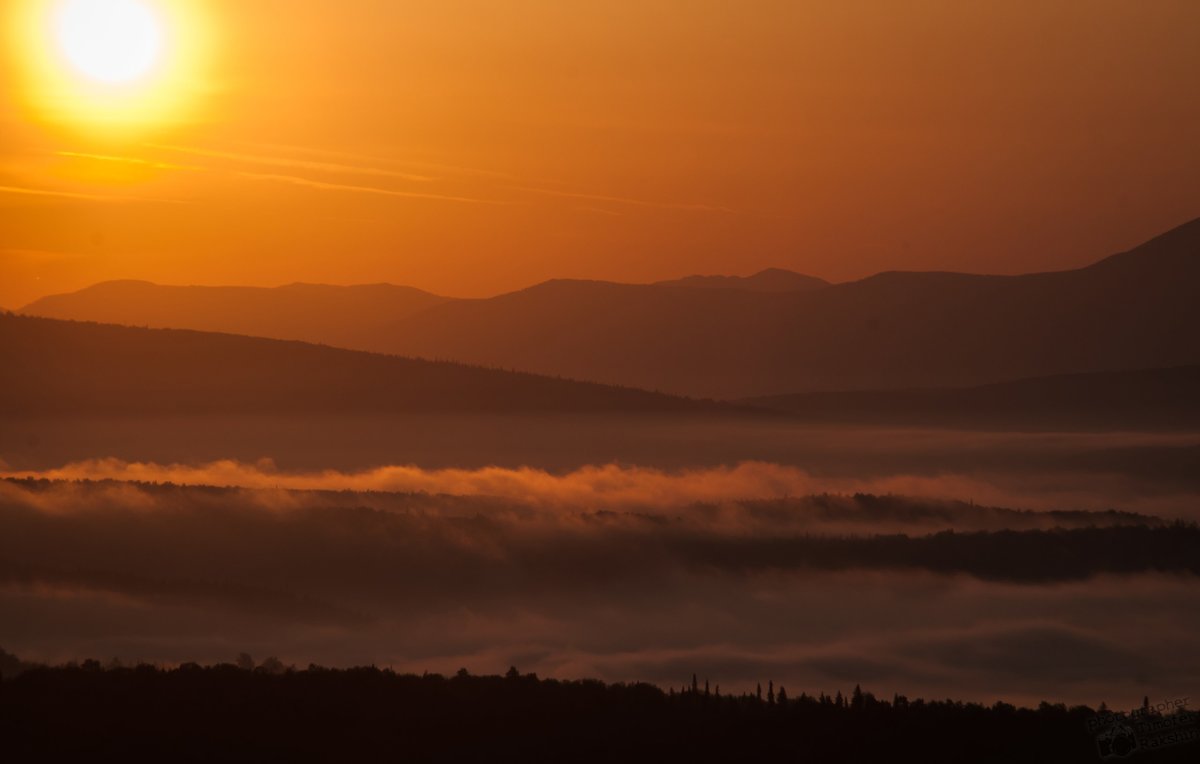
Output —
(54, 367)
(330, 315)
(1132, 310)
(892, 330)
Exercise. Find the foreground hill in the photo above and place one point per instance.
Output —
(271, 711)
(65, 367)
(1102, 400)
(332, 315)
(731, 338)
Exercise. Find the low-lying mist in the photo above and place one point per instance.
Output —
(741, 573)
(615, 485)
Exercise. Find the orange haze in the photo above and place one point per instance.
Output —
(472, 147)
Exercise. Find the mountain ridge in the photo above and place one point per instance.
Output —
(890, 330)
(766, 280)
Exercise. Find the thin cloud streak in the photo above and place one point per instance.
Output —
(290, 179)
(125, 160)
(625, 200)
(298, 164)
(436, 166)
(324, 186)
(83, 196)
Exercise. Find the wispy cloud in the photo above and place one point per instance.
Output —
(440, 167)
(83, 196)
(124, 160)
(324, 186)
(294, 180)
(297, 164)
(345, 168)
(626, 200)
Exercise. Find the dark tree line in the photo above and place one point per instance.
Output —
(275, 713)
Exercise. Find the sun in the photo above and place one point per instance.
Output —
(113, 68)
(111, 41)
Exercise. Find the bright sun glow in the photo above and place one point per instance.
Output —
(113, 68)
(114, 41)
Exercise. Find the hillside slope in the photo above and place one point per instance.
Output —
(1133, 310)
(331, 315)
(69, 368)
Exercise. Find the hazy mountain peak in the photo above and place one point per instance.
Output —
(120, 284)
(766, 280)
(1187, 234)
(1180, 246)
(570, 287)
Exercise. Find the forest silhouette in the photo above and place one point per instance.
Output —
(245, 711)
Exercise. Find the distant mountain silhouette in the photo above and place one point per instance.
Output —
(1148, 398)
(1134, 310)
(892, 330)
(332, 315)
(70, 368)
(769, 280)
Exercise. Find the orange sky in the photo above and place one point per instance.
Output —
(473, 147)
